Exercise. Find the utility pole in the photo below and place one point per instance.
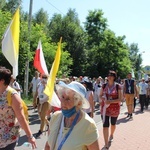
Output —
(26, 77)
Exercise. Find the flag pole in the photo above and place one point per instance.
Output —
(26, 80)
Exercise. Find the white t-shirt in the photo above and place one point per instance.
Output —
(143, 88)
(42, 96)
(35, 82)
(15, 86)
(88, 93)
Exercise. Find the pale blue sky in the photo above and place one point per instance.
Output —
(125, 17)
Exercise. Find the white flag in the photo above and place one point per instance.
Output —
(10, 43)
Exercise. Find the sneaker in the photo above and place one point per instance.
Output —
(111, 139)
(38, 134)
(105, 148)
(128, 115)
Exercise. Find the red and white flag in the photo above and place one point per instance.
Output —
(39, 61)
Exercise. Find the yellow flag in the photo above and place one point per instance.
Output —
(51, 80)
(10, 42)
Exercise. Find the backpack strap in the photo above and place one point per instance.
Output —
(117, 87)
(9, 99)
(104, 85)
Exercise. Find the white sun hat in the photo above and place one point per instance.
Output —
(78, 88)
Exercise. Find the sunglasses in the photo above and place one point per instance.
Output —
(112, 75)
(44, 77)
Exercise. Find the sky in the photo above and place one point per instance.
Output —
(125, 17)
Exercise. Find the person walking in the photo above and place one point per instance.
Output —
(97, 86)
(12, 116)
(89, 96)
(15, 85)
(34, 83)
(130, 91)
(122, 87)
(110, 96)
(43, 105)
(143, 93)
(72, 128)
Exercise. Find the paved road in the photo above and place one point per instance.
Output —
(34, 125)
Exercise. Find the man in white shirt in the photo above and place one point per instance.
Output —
(97, 86)
(143, 91)
(15, 85)
(34, 83)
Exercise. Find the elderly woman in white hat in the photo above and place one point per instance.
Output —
(72, 128)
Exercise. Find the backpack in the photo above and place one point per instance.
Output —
(25, 108)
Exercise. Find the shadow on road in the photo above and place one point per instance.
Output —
(22, 139)
(123, 120)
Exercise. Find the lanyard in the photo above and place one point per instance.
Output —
(129, 88)
(69, 132)
(129, 83)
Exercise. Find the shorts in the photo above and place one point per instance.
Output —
(129, 99)
(113, 121)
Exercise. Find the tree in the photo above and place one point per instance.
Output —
(2, 4)
(95, 26)
(135, 57)
(105, 51)
(11, 5)
(41, 17)
(5, 18)
(73, 35)
(49, 50)
(37, 32)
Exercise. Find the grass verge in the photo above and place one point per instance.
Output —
(27, 100)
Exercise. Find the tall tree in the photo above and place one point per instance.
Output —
(12, 5)
(105, 50)
(135, 57)
(5, 18)
(2, 4)
(73, 35)
(37, 32)
(95, 26)
(41, 17)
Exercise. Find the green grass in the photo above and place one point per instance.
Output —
(27, 100)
